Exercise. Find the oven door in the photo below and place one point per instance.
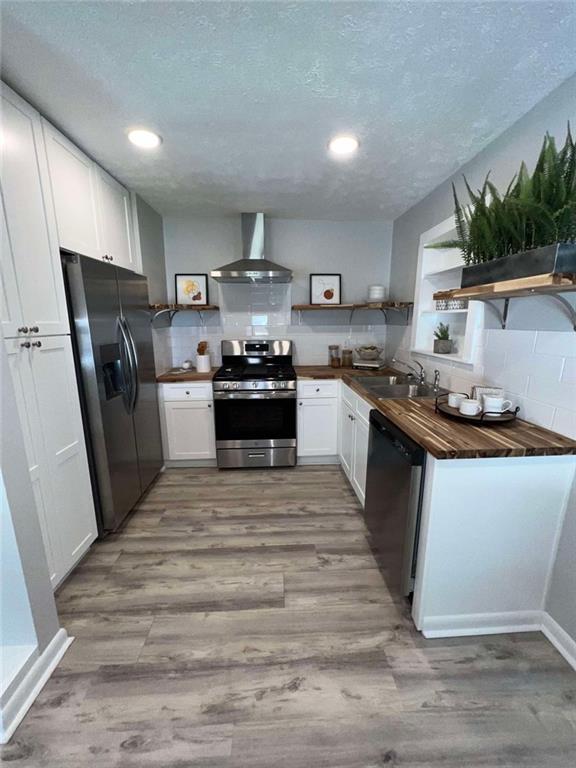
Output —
(255, 419)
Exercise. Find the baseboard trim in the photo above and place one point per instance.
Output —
(310, 460)
(481, 624)
(560, 639)
(503, 623)
(36, 678)
(188, 463)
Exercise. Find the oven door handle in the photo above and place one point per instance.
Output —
(268, 395)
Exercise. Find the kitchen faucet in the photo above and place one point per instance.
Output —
(421, 374)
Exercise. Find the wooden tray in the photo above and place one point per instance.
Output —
(483, 419)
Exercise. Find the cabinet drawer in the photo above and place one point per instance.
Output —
(197, 390)
(317, 388)
(363, 409)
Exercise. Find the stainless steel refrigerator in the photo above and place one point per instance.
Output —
(110, 319)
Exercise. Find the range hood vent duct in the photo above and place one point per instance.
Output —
(253, 267)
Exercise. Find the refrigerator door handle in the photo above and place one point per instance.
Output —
(127, 366)
(134, 358)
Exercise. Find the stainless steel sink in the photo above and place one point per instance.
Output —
(370, 382)
(406, 390)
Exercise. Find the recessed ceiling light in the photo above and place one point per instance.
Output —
(144, 139)
(343, 145)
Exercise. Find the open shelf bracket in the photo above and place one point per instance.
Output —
(501, 314)
(570, 311)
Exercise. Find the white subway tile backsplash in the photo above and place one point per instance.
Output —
(556, 343)
(536, 369)
(565, 422)
(569, 371)
(559, 394)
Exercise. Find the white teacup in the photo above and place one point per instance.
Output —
(470, 407)
(495, 404)
(455, 398)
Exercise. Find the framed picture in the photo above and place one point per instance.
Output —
(325, 289)
(191, 289)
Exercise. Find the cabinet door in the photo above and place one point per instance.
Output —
(346, 438)
(318, 426)
(31, 273)
(72, 179)
(360, 462)
(190, 430)
(115, 221)
(19, 361)
(72, 514)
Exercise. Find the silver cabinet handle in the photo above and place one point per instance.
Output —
(23, 329)
(34, 329)
(26, 344)
(256, 455)
(36, 343)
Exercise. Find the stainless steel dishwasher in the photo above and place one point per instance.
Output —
(394, 487)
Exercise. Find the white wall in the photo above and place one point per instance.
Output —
(360, 251)
(534, 360)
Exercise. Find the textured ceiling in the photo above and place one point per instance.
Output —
(247, 94)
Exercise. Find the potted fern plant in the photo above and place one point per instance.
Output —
(530, 229)
(443, 344)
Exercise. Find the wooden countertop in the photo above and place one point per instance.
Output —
(446, 438)
(442, 437)
(302, 371)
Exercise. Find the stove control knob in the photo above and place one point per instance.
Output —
(283, 384)
(236, 385)
(226, 385)
(254, 385)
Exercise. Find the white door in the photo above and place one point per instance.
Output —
(31, 273)
(346, 438)
(360, 463)
(115, 221)
(72, 512)
(190, 430)
(318, 426)
(19, 360)
(72, 179)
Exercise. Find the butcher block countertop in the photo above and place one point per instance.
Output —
(302, 371)
(446, 438)
(442, 437)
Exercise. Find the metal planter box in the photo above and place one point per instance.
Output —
(559, 258)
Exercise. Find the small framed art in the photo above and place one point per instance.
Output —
(325, 289)
(192, 289)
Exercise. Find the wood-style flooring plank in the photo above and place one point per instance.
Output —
(239, 620)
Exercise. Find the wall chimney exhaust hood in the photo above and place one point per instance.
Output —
(253, 267)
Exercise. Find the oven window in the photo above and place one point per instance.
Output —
(255, 419)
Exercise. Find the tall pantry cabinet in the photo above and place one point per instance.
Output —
(37, 336)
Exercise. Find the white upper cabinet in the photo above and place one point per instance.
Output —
(73, 183)
(32, 286)
(115, 221)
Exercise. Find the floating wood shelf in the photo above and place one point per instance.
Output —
(400, 305)
(173, 309)
(536, 285)
(381, 306)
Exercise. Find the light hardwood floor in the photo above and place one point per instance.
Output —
(240, 619)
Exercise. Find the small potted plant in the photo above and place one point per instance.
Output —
(443, 344)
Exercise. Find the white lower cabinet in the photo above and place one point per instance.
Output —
(188, 421)
(47, 399)
(360, 463)
(317, 418)
(354, 439)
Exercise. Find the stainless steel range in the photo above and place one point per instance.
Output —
(255, 405)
